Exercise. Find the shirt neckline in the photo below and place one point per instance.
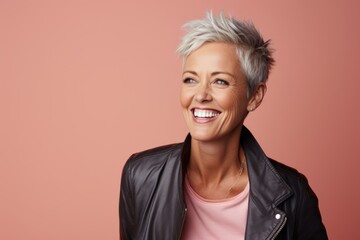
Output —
(193, 194)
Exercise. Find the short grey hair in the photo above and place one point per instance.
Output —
(254, 53)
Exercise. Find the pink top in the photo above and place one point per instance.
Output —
(215, 219)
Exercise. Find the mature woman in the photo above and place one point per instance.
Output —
(218, 183)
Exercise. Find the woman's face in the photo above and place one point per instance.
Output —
(213, 92)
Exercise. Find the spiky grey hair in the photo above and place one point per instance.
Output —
(254, 53)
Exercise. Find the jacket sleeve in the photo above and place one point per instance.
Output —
(126, 205)
(309, 225)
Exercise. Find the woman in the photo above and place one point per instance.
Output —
(218, 184)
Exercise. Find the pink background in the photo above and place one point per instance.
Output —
(83, 84)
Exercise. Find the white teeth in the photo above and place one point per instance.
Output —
(205, 113)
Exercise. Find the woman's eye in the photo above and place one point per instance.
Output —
(221, 82)
(189, 80)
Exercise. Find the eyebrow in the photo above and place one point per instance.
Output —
(212, 74)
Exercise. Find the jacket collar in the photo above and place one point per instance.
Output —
(267, 188)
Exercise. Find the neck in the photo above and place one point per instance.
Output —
(212, 161)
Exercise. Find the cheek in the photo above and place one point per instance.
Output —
(230, 100)
(185, 98)
(234, 103)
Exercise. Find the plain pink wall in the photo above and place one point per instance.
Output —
(83, 84)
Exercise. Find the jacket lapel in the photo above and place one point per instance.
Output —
(267, 191)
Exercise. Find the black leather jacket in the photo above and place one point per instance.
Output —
(281, 203)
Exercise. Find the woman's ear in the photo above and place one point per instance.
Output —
(257, 97)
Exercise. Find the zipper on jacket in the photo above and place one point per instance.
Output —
(279, 228)
(182, 224)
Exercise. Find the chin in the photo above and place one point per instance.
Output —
(210, 134)
(203, 136)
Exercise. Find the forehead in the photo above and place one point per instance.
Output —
(213, 56)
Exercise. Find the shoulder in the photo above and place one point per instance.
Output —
(153, 158)
(144, 171)
(160, 151)
(294, 179)
(286, 171)
(291, 175)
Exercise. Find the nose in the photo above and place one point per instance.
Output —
(203, 93)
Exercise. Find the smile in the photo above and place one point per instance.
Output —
(205, 113)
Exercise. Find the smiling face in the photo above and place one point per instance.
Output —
(214, 92)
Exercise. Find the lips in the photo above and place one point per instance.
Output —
(205, 113)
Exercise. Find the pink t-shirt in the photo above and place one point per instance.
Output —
(215, 219)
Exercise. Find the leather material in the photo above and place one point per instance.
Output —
(281, 203)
